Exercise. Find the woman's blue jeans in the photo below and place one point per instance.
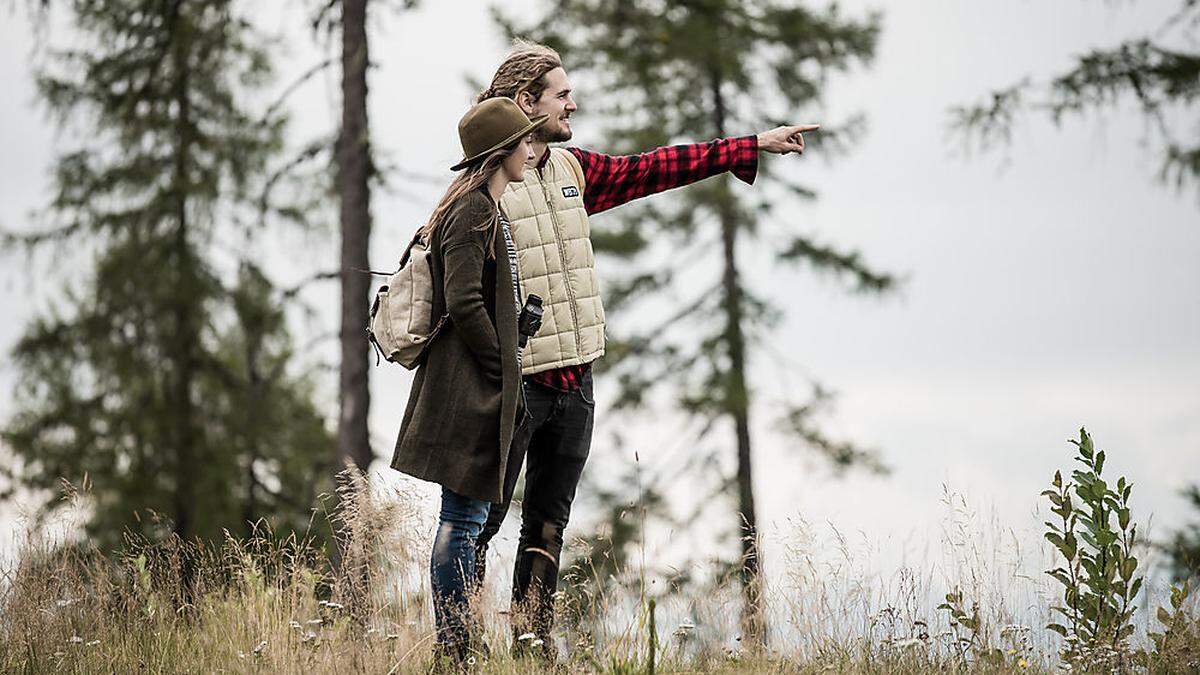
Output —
(452, 564)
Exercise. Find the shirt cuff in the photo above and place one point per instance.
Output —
(745, 159)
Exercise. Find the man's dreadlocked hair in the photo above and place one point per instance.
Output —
(523, 70)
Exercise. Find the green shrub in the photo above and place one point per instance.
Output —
(1099, 570)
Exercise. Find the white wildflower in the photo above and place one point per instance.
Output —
(66, 602)
(315, 621)
(294, 624)
(526, 636)
(75, 639)
(537, 643)
(260, 647)
(93, 643)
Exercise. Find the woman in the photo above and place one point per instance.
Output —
(466, 395)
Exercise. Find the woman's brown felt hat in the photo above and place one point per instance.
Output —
(491, 125)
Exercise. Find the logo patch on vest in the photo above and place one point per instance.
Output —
(570, 191)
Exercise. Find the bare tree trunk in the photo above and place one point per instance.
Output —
(353, 179)
(186, 333)
(354, 173)
(738, 396)
(186, 337)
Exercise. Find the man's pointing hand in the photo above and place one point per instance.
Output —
(782, 140)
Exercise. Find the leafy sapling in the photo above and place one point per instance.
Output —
(1095, 536)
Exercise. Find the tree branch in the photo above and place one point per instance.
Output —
(291, 88)
(827, 259)
(842, 454)
(292, 291)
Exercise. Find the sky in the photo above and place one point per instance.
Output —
(1048, 285)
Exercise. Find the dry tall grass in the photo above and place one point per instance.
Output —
(272, 605)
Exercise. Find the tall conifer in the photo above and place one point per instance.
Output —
(160, 376)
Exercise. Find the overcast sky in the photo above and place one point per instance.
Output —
(1052, 285)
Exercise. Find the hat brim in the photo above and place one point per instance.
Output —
(533, 124)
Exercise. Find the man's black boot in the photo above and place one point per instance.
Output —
(535, 581)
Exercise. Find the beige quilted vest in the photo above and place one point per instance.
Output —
(554, 251)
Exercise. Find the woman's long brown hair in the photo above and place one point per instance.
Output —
(471, 178)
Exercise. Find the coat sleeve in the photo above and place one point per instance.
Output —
(612, 180)
(463, 249)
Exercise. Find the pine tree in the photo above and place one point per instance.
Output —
(155, 379)
(695, 71)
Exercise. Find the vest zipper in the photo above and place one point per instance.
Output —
(562, 254)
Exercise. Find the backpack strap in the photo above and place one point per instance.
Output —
(441, 322)
(403, 258)
(573, 162)
(408, 250)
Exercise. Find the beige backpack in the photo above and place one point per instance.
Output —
(401, 324)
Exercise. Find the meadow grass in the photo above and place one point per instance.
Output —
(271, 604)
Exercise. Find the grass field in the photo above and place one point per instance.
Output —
(271, 605)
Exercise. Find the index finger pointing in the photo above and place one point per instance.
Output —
(805, 127)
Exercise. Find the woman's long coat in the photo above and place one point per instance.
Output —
(466, 394)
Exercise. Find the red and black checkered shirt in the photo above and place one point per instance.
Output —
(614, 180)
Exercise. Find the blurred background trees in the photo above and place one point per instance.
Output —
(162, 377)
(1158, 72)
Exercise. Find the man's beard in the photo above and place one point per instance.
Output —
(555, 135)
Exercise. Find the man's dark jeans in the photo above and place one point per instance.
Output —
(556, 435)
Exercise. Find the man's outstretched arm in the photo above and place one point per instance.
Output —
(614, 180)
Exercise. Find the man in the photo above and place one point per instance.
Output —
(549, 218)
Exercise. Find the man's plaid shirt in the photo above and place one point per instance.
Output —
(614, 180)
